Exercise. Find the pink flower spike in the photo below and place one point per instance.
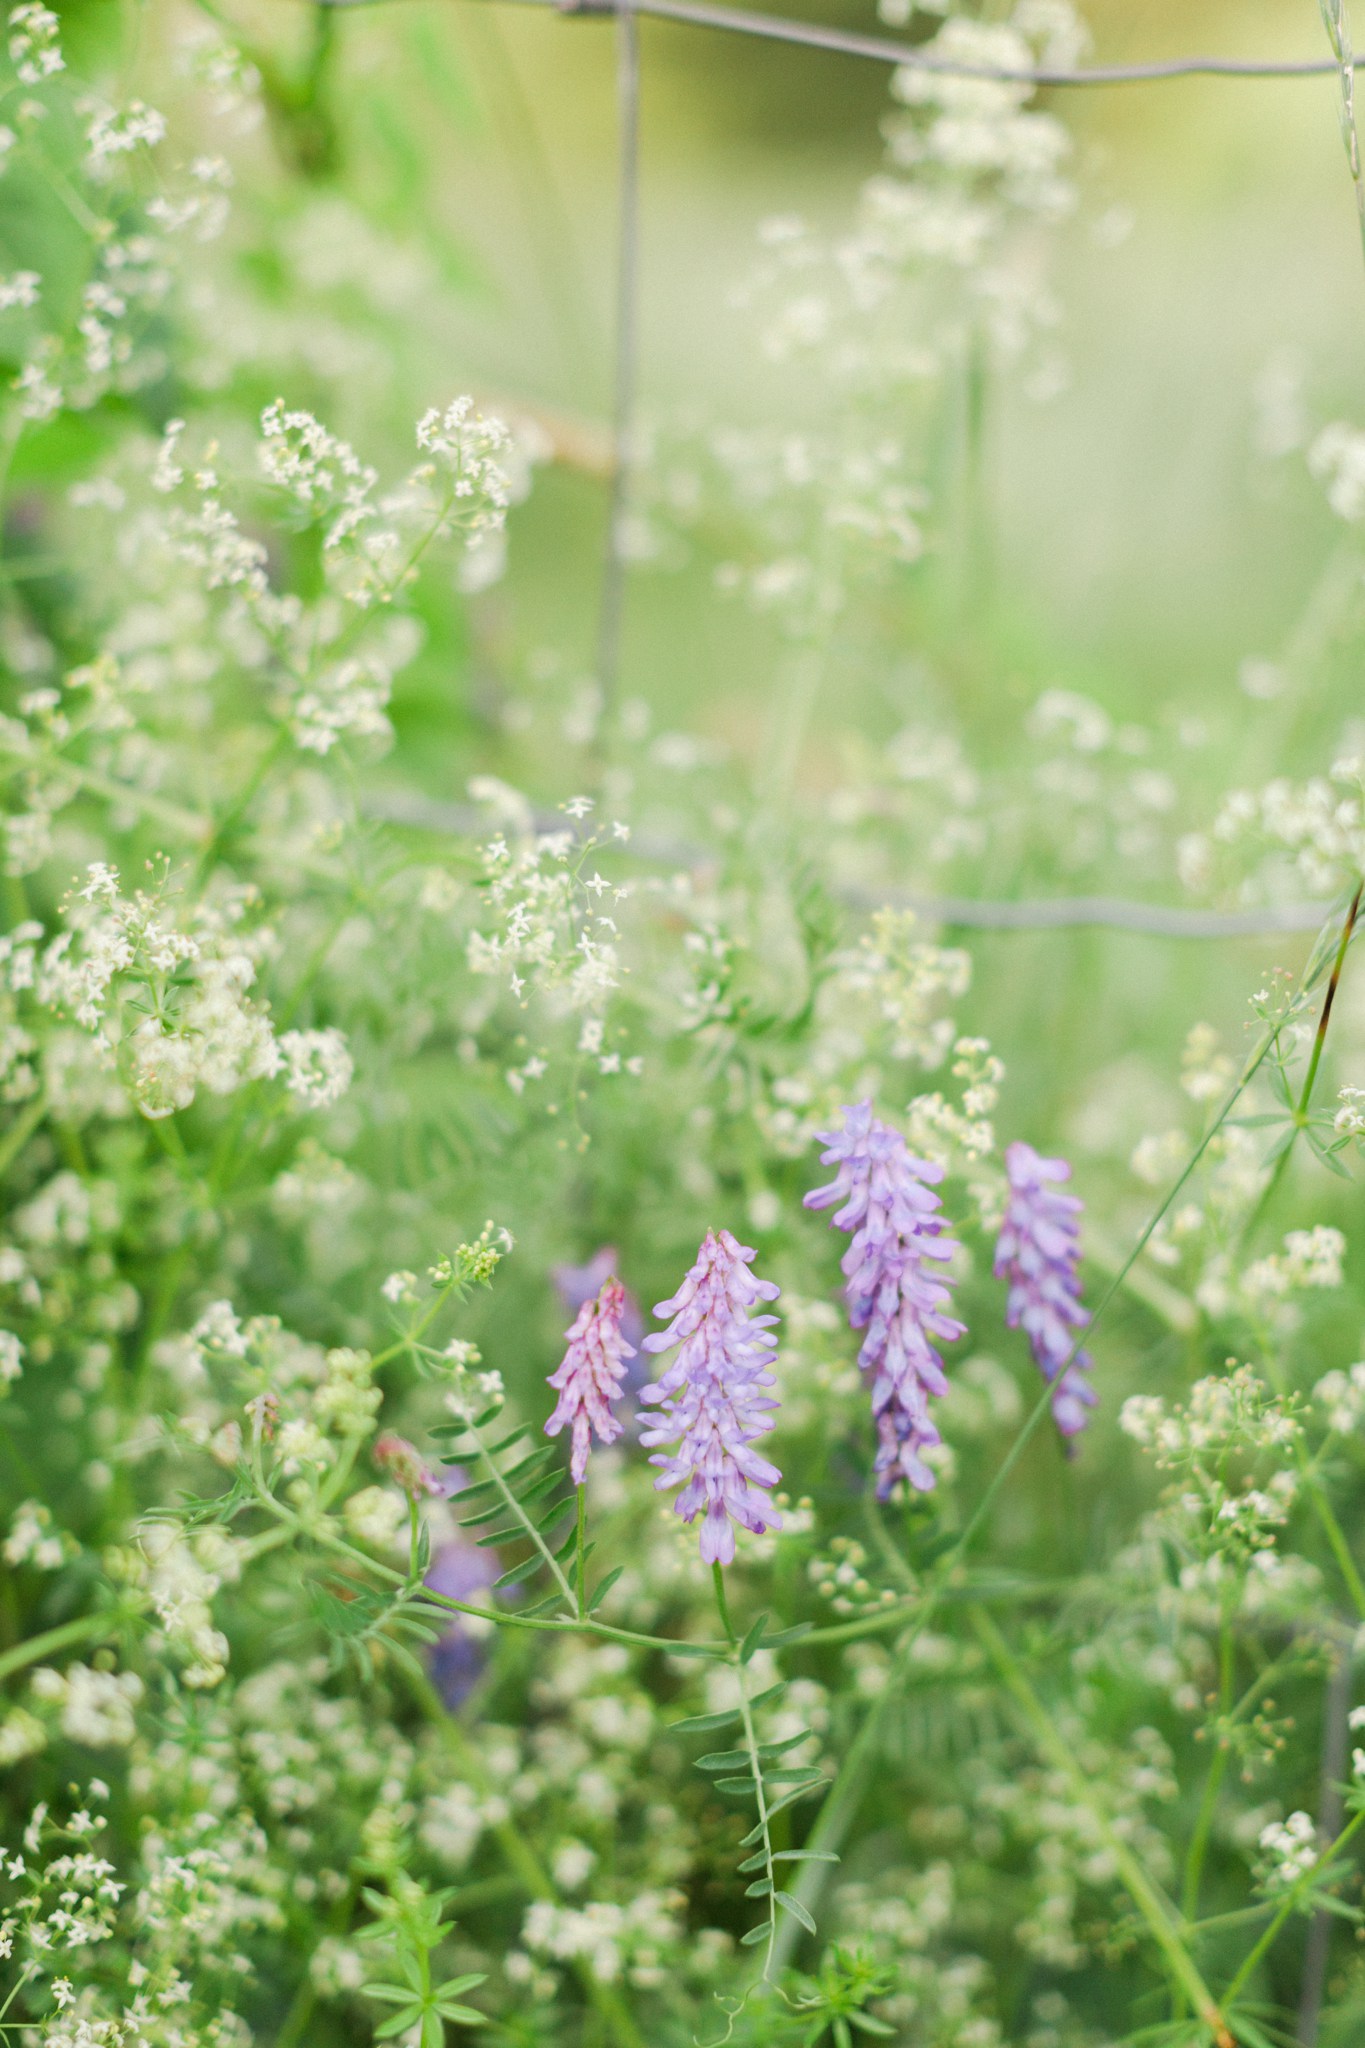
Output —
(714, 1397)
(1038, 1255)
(589, 1379)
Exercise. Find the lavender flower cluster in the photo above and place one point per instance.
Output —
(715, 1401)
(894, 1292)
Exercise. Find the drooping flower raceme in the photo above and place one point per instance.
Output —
(589, 1379)
(1037, 1254)
(576, 1284)
(714, 1397)
(893, 1291)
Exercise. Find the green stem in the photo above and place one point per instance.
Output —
(581, 1561)
(845, 1794)
(517, 1852)
(718, 1580)
(514, 1505)
(1300, 1119)
(325, 1539)
(1213, 1784)
(21, 1130)
(1288, 1905)
(1159, 1914)
(1335, 1534)
(1315, 1058)
(85, 1628)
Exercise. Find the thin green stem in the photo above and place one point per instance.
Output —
(326, 1539)
(581, 1562)
(718, 1580)
(517, 1852)
(1335, 1534)
(1288, 1905)
(85, 1628)
(1213, 1783)
(755, 1769)
(845, 1794)
(1160, 1915)
(514, 1505)
(21, 1130)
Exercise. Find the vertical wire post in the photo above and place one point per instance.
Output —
(626, 364)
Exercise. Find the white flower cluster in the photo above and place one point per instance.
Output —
(1223, 1413)
(34, 50)
(11, 1358)
(908, 978)
(1336, 458)
(1342, 1395)
(20, 288)
(317, 1066)
(171, 1008)
(1320, 823)
(180, 1584)
(553, 934)
(1311, 1259)
(32, 1539)
(1289, 1849)
(95, 1706)
(1349, 1121)
(612, 1939)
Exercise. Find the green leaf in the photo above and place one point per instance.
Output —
(600, 1593)
(790, 1799)
(789, 1635)
(774, 1692)
(723, 1760)
(1332, 1164)
(544, 1485)
(759, 1890)
(796, 1909)
(796, 1774)
(804, 1856)
(866, 2024)
(484, 1514)
(758, 1862)
(520, 1571)
(705, 1724)
(753, 1638)
(1246, 2030)
(767, 1749)
(754, 1936)
(453, 1986)
(511, 1532)
(464, 2015)
(468, 1493)
(398, 2024)
(555, 1510)
(505, 1442)
(391, 1994)
(745, 1784)
(534, 1461)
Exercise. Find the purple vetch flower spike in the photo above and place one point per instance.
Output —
(892, 1290)
(714, 1397)
(576, 1284)
(1037, 1254)
(589, 1379)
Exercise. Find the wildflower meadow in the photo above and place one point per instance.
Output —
(682, 1032)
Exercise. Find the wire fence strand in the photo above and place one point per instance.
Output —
(1047, 913)
(886, 50)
